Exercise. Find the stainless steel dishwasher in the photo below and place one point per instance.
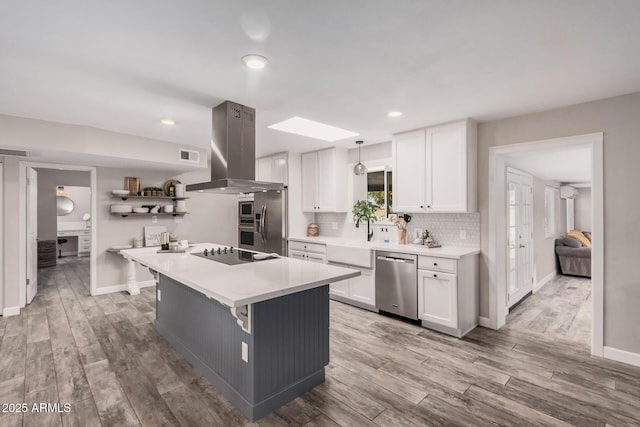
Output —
(397, 284)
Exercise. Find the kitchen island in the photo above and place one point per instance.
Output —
(258, 331)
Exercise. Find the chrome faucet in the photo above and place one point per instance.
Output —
(369, 231)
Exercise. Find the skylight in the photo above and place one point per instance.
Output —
(312, 129)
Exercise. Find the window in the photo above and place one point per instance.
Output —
(380, 193)
(550, 196)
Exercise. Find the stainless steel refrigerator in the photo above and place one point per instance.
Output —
(263, 224)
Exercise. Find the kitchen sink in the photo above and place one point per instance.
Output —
(351, 253)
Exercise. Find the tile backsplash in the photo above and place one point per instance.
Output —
(445, 228)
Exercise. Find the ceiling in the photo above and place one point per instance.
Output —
(123, 66)
(565, 166)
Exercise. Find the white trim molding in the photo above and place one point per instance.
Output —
(10, 311)
(485, 322)
(497, 257)
(122, 288)
(622, 356)
(544, 281)
(22, 243)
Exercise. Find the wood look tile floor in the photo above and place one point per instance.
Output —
(560, 310)
(101, 355)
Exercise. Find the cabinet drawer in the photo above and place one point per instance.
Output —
(437, 264)
(308, 247)
(82, 240)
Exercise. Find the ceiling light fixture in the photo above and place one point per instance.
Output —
(167, 122)
(359, 169)
(394, 113)
(312, 129)
(255, 62)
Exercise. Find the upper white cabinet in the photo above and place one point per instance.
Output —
(272, 168)
(409, 190)
(434, 169)
(324, 175)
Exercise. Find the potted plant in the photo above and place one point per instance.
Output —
(364, 210)
(148, 191)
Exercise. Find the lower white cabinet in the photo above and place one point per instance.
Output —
(308, 256)
(438, 298)
(359, 291)
(84, 243)
(448, 294)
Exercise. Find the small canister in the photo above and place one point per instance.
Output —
(313, 230)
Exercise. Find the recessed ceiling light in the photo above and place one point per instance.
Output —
(312, 129)
(167, 122)
(394, 113)
(255, 62)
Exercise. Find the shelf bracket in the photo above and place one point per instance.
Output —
(243, 316)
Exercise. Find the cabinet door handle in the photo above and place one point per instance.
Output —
(428, 206)
(421, 207)
(435, 264)
(435, 275)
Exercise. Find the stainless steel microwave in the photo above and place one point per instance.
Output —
(245, 209)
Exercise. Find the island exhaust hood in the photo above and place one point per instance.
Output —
(233, 153)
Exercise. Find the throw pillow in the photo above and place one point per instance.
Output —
(571, 242)
(580, 237)
(587, 234)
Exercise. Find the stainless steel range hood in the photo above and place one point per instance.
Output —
(233, 153)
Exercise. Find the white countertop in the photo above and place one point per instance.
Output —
(238, 285)
(453, 252)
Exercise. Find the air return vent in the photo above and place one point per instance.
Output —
(190, 156)
(16, 153)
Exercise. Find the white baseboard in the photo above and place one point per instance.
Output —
(621, 356)
(121, 288)
(544, 281)
(10, 311)
(484, 322)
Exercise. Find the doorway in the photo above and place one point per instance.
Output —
(498, 252)
(520, 236)
(57, 225)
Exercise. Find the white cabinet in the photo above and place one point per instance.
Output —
(438, 298)
(340, 289)
(434, 169)
(363, 287)
(324, 174)
(313, 252)
(448, 294)
(272, 168)
(84, 243)
(359, 291)
(409, 191)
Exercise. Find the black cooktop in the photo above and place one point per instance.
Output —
(229, 256)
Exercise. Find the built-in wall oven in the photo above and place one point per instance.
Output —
(262, 222)
(246, 225)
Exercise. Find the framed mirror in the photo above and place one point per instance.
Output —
(65, 205)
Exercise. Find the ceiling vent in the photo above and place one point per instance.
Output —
(190, 156)
(14, 153)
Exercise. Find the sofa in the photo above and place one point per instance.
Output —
(574, 258)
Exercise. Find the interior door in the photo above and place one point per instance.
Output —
(32, 234)
(519, 235)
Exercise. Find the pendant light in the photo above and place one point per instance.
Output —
(359, 169)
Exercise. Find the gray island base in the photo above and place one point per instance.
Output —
(285, 349)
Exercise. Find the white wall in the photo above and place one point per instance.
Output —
(212, 217)
(81, 197)
(582, 206)
(84, 145)
(544, 255)
(48, 179)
